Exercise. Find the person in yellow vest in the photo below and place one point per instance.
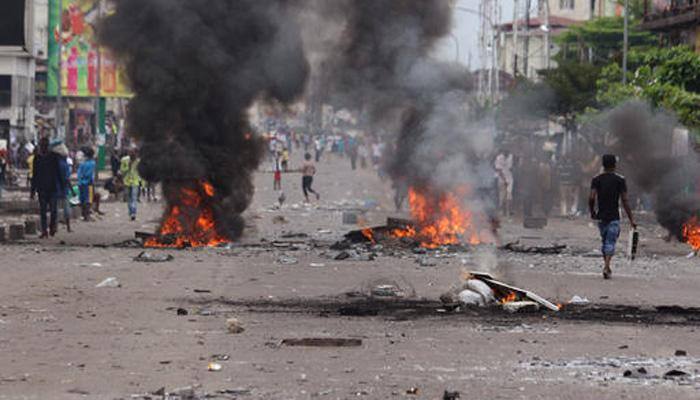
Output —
(129, 170)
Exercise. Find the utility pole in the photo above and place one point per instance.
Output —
(516, 14)
(526, 50)
(625, 44)
(547, 35)
(60, 131)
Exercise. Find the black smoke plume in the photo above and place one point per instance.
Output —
(643, 139)
(196, 67)
(383, 66)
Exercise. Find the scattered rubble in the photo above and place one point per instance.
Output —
(110, 282)
(214, 367)
(578, 300)
(516, 247)
(322, 342)
(147, 257)
(284, 259)
(234, 326)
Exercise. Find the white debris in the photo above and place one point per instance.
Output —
(478, 286)
(578, 300)
(470, 298)
(110, 282)
(521, 306)
(88, 265)
(317, 265)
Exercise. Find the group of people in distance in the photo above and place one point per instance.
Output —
(51, 176)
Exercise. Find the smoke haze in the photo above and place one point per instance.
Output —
(196, 66)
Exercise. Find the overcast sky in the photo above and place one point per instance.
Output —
(466, 29)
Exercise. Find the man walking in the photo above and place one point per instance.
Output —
(47, 181)
(607, 189)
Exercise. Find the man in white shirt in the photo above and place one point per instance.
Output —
(504, 172)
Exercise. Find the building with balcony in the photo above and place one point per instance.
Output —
(676, 21)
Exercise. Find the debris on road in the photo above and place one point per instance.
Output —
(214, 367)
(450, 395)
(234, 326)
(676, 374)
(287, 260)
(521, 307)
(147, 257)
(413, 391)
(638, 373)
(578, 300)
(427, 262)
(481, 289)
(317, 265)
(322, 342)
(110, 282)
(90, 265)
(516, 247)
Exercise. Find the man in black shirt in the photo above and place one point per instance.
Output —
(606, 191)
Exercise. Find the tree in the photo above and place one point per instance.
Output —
(599, 41)
(667, 78)
(573, 88)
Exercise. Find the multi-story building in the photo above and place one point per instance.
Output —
(537, 35)
(676, 21)
(20, 46)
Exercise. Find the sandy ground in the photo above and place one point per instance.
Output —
(63, 338)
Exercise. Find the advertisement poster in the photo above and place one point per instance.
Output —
(80, 55)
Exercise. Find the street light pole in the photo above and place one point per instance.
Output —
(625, 44)
(60, 133)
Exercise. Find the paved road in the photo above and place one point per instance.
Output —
(63, 338)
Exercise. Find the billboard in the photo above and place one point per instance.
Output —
(80, 54)
(12, 23)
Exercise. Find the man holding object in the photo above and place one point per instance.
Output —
(607, 189)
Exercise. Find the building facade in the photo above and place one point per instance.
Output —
(22, 43)
(677, 22)
(535, 40)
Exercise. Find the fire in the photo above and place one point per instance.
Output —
(509, 298)
(369, 234)
(191, 223)
(691, 233)
(441, 220)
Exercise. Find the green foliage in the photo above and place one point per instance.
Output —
(603, 36)
(668, 78)
(573, 87)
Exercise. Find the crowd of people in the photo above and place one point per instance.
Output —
(359, 149)
(61, 180)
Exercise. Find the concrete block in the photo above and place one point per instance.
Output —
(16, 232)
(30, 226)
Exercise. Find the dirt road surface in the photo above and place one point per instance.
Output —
(61, 337)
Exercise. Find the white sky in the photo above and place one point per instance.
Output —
(466, 29)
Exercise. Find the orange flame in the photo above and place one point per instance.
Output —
(194, 226)
(369, 234)
(509, 298)
(691, 233)
(440, 221)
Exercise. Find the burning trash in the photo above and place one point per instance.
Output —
(440, 220)
(480, 289)
(192, 93)
(189, 221)
(691, 234)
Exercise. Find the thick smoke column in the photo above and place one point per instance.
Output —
(382, 66)
(643, 139)
(196, 66)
